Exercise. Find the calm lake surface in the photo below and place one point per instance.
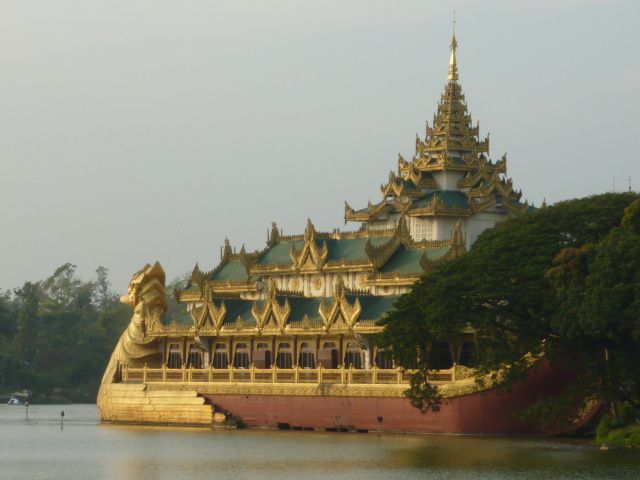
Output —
(84, 449)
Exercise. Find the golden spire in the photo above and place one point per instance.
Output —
(453, 65)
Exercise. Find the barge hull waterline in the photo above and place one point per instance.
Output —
(492, 412)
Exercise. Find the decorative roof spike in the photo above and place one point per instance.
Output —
(453, 64)
(458, 243)
(427, 264)
(274, 236)
(544, 203)
(197, 278)
(272, 289)
(403, 229)
(458, 237)
(227, 251)
(339, 288)
(309, 231)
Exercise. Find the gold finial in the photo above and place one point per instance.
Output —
(453, 65)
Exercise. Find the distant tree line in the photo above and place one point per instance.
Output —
(57, 334)
(562, 282)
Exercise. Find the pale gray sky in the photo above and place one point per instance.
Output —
(134, 131)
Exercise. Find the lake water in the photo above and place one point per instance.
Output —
(84, 449)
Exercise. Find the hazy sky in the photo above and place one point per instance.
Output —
(134, 131)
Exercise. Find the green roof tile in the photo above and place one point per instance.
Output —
(339, 249)
(279, 253)
(303, 306)
(237, 308)
(451, 199)
(373, 307)
(182, 319)
(232, 270)
(351, 248)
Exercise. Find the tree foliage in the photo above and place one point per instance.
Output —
(56, 335)
(563, 281)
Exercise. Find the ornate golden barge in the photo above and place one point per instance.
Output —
(286, 336)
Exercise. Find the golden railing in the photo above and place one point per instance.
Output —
(320, 375)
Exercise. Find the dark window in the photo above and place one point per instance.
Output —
(262, 356)
(353, 356)
(439, 356)
(241, 358)
(285, 358)
(328, 355)
(175, 358)
(220, 356)
(307, 357)
(384, 359)
(467, 354)
(196, 358)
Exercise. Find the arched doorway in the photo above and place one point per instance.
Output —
(328, 355)
(241, 357)
(220, 356)
(285, 356)
(307, 356)
(262, 355)
(353, 356)
(174, 358)
(196, 357)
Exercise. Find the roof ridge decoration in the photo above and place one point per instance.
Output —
(226, 251)
(485, 170)
(339, 309)
(227, 254)
(198, 277)
(269, 312)
(379, 255)
(452, 143)
(274, 235)
(485, 189)
(208, 312)
(337, 234)
(458, 248)
(458, 243)
(310, 257)
(397, 186)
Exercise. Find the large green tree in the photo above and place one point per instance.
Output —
(535, 283)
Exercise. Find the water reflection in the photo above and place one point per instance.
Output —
(87, 449)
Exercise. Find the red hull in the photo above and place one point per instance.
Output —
(489, 412)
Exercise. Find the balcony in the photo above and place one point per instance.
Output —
(274, 375)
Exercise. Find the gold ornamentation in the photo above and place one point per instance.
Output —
(340, 312)
(209, 314)
(148, 297)
(310, 257)
(269, 314)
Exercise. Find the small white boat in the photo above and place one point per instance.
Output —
(19, 398)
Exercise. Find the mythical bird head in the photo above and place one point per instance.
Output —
(147, 290)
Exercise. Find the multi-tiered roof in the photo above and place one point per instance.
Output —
(332, 282)
(452, 144)
(308, 282)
